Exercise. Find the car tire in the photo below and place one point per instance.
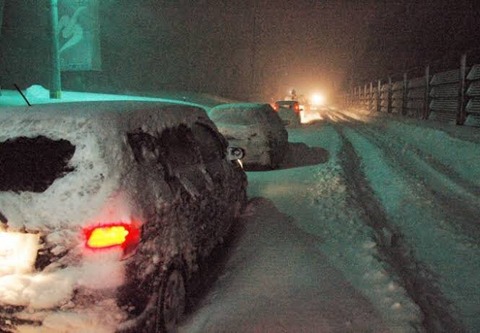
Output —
(171, 301)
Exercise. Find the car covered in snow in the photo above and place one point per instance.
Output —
(256, 128)
(107, 211)
(290, 112)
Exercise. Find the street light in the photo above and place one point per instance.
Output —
(56, 83)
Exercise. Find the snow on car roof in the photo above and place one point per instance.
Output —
(286, 101)
(80, 116)
(240, 106)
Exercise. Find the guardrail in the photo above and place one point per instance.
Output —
(450, 96)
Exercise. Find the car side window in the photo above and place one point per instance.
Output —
(211, 146)
(272, 116)
(261, 116)
(143, 147)
(178, 148)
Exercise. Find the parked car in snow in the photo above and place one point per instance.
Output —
(254, 127)
(289, 111)
(106, 211)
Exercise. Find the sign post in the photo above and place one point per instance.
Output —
(56, 83)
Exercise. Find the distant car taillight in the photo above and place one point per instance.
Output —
(275, 107)
(296, 107)
(125, 236)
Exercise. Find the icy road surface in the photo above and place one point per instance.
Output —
(371, 225)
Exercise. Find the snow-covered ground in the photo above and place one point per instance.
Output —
(372, 209)
(370, 225)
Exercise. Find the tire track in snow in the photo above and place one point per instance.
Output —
(441, 183)
(416, 278)
(347, 240)
(428, 224)
(402, 145)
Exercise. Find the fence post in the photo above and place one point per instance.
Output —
(360, 92)
(404, 94)
(360, 96)
(370, 99)
(461, 114)
(365, 96)
(379, 88)
(389, 95)
(426, 100)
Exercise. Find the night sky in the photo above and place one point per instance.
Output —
(253, 49)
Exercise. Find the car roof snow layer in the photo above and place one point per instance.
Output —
(119, 114)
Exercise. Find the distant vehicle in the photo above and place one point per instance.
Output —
(109, 206)
(289, 111)
(256, 128)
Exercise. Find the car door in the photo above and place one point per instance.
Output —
(149, 176)
(221, 178)
(181, 156)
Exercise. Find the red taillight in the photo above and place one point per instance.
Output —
(125, 236)
(275, 106)
(296, 108)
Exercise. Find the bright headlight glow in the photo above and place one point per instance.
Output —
(318, 99)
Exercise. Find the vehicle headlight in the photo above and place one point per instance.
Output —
(318, 99)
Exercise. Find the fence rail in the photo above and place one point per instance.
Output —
(451, 96)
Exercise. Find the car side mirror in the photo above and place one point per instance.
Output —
(235, 153)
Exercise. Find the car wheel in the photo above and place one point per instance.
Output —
(171, 303)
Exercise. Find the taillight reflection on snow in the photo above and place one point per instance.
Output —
(125, 236)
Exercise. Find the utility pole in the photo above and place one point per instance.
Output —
(2, 3)
(56, 81)
(253, 84)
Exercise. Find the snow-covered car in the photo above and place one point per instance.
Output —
(256, 128)
(289, 111)
(107, 210)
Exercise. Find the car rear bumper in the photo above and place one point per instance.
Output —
(88, 311)
(72, 299)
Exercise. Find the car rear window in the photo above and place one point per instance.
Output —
(287, 104)
(33, 164)
(236, 116)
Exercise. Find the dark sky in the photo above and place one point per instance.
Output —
(315, 41)
(268, 47)
(404, 36)
(247, 49)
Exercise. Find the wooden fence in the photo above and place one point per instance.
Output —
(451, 96)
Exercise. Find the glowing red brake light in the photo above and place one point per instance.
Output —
(106, 236)
(296, 107)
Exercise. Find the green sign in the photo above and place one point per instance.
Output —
(79, 35)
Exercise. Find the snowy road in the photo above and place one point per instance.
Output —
(372, 225)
